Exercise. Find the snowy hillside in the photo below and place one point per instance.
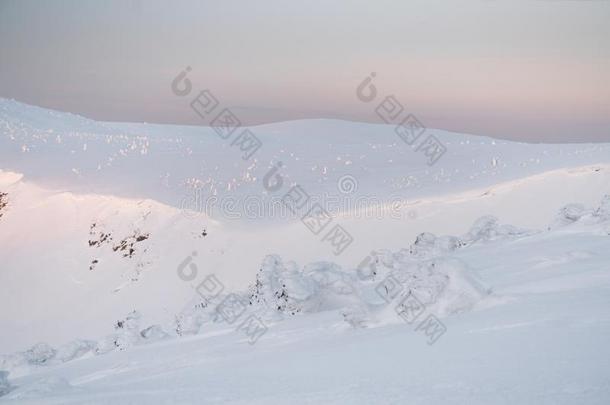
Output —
(138, 260)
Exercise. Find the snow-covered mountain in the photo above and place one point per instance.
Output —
(118, 242)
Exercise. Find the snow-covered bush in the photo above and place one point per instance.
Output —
(569, 214)
(106, 344)
(127, 333)
(194, 315)
(188, 323)
(279, 286)
(484, 229)
(602, 212)
(578, 213)
(424, 243)
(448, 243)
(130, 323)
(427, 245)
(74, 349)
(487, 228)
(39, 354)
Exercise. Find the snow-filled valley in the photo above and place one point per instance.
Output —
(163, 264)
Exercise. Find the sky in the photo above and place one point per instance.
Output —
(527, 71)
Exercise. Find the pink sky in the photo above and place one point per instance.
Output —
(535, 71)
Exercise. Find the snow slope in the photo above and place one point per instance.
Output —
(101, 219)
(540, 336)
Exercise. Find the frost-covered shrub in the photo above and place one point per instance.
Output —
(279, 286)
(106, 344)
(449, 243)
(427, 244)
(319, 286)
(187, 323)
(130, 323)
(127, 334)
(39, 354)
(116, 341)
(74, 349)
(196, 313)
(5, 386)
(423, 244)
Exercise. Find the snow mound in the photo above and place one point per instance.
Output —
(487, 229)
(578, 213)
(21, 362)
(442, 285)
(43, 388)
(39, 354)
(5, 386)
(154, 333)
(74, 350)
(8, 178)
(127, 333)
(42, 354)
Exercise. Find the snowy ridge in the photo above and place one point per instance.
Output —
(165, 163)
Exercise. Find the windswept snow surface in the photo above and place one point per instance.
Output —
(482, 279)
